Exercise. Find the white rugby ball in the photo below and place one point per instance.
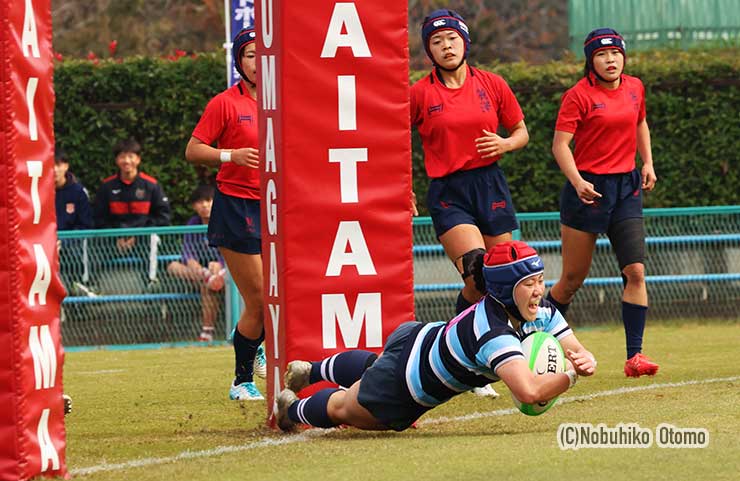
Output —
(543, 354)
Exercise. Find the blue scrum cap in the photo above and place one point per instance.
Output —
(241, 40)
(600, 39)
(507, 264)
(444, 20)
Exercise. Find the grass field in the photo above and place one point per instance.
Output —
(165, 414)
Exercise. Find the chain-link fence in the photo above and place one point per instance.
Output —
(133, 286)
(692, 267)
(120, 295)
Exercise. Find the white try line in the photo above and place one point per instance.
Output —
(206, 453)
(586, 397)
(313, 433)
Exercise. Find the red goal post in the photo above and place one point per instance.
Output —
(333, 93)
(32, 438)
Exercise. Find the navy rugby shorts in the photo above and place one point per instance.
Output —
(621, 198)
(479, 197)
(382, 389)
(235, 224)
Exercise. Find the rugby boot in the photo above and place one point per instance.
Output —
(285, 399)
(297, 375)
(640, 365)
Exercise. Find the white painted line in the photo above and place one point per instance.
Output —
(313, 433)
(586, 397)
(207, 453)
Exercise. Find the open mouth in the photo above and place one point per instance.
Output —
(534, 305)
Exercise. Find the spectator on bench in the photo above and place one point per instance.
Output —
(200, 263)
(73, 213)
(130, 198)
(71, 201)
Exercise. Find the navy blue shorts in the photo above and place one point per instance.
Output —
(382, 389)
(235, 224)
(479, 197)
(621, 198)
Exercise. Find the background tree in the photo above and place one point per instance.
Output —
(141, 27)
(503, 30)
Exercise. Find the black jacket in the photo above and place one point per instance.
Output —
(140, 203)
(73, 206)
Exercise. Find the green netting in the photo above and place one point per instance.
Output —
(692, 264)
(693, 268)
(129, 297)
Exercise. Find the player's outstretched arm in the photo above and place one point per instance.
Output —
(529, 388)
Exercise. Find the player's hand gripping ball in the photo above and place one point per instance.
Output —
(543, 354)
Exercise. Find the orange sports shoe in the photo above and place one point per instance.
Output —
(640, 365)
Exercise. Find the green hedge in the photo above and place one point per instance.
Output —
(692, 101)
(157, 101)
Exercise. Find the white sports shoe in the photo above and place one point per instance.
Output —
(246, 391)
(486, 391)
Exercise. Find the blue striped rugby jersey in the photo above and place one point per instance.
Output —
(445, 359)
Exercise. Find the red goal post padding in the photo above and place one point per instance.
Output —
(336, 179)
(32, 440)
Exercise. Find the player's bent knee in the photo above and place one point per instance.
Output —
(635, 273)
(572, 281)
(252, 291)
(472, 269)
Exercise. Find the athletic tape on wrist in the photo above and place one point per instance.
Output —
(572, 377)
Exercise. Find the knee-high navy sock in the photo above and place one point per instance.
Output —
(244, 351)
(312, 410)
(462, 303)
(633, 317)
(345, 368)
(560, 306)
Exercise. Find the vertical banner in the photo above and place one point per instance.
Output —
(239, 15)
(32, 439)
(336, 181)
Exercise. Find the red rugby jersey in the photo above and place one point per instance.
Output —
(230, 119)
(449, 120)
(604, 124)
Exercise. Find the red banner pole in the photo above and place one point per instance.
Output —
(336, 183)
(32, 438)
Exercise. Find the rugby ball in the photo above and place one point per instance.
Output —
(543, 354)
